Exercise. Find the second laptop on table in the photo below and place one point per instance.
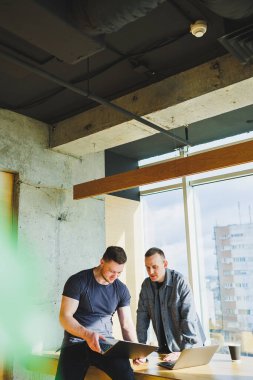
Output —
(192, 357)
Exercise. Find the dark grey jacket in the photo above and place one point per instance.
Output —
(180, 320)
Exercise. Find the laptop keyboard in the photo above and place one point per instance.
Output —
(168, 365)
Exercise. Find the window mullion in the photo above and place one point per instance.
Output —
(195, 267)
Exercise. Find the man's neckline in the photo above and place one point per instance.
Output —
(99, 275)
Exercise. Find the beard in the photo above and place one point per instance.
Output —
(107, 279)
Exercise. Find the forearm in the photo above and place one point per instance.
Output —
(142, 326)
(188, 317)
(143, 316)
(189, 333)
(129, 333)
(126, 324)
(189, 325)
(71, 325)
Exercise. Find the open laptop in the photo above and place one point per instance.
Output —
(124, 349)
(192, 357)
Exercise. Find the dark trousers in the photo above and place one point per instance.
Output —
(75, 360)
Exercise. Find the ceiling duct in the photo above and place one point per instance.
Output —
(232, 9)
(46, 25)
(240, 43)
(96, 17)
(82, 22)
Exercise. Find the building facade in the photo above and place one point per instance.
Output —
(234, 298)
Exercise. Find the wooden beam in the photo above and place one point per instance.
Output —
(203, 79)
(218, 158)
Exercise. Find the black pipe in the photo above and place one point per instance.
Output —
(94, 97)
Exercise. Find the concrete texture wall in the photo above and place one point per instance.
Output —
(67, 236)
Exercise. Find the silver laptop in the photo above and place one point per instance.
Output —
(125, 349)
(192, 357)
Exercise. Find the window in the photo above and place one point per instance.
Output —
(224, 210)
(163, 216)
(223, 222)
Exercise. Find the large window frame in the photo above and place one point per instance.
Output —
(195, 261)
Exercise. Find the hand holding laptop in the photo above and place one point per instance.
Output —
(92, 338)
(126, 349)
(139, 361)
(108, 344)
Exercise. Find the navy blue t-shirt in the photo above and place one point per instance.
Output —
(97, 303)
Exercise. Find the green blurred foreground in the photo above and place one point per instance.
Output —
(19, 324)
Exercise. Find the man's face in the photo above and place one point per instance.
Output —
(110, 270)
(155, 266)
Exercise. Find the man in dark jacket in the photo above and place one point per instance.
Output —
(166, 299)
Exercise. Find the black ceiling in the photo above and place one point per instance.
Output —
(106, 47)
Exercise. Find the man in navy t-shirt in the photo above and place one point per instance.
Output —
(89, 300)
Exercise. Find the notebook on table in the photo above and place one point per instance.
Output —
(192, 357)
(125, 349)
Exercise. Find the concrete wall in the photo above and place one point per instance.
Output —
(66, 235)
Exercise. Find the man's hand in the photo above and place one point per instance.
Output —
(92, 338)
(139, 361)
(173, 356)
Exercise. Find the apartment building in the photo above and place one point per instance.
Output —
(234, 250)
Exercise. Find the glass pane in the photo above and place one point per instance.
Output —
(212, 173)
(159, 185)
(163, 216)
(162, 157)
(216, 143)
(224, 215)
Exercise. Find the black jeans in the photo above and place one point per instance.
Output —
(75, 360)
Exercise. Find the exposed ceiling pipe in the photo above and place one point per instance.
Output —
(232, 9)
(96, 17)
(89, 95)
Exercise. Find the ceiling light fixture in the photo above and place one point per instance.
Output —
(199, 28)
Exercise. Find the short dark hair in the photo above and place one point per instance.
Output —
(152, 251)
(116, 254)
